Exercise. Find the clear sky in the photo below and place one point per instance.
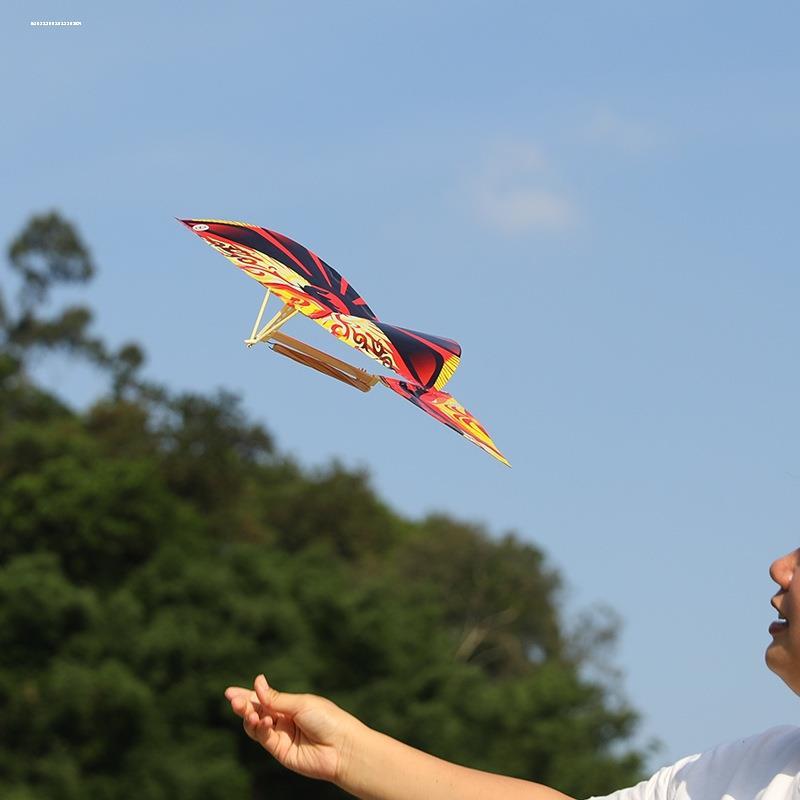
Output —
(598, 200)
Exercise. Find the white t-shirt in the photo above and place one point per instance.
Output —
(763, 767)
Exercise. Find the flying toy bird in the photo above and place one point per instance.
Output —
(304, 283)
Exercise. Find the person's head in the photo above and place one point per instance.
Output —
(783, 653)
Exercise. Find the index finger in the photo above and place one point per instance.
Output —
(243, 701)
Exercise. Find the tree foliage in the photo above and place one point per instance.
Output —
(155, 548)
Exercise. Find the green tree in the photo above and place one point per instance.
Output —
(155, 548)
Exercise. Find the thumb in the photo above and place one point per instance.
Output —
(283, 702)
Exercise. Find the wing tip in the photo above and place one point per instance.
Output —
(195, 221)
(404, 389)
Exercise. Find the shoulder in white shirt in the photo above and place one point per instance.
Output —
(762, 767)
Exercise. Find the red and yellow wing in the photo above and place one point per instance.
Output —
(298, 277)
(445, 408)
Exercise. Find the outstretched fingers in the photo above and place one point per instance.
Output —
(258, 728)
(246, 705)
(263, 691)
(280, 702)
(233, 693)
(267, 715)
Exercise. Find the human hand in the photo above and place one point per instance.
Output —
(307, 734)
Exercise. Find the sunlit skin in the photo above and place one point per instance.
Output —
(316, 738)
(783, 653)
(313, 736)
(308, 734)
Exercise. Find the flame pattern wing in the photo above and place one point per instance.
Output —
(298, 277)
(445, 408)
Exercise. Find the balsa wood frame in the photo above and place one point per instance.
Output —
(304, 353)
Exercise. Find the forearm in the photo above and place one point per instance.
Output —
(381, 768)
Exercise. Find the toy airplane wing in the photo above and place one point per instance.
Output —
(307, 284)
(445, 408)
(440, 405)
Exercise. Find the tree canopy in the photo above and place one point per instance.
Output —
(156, 548)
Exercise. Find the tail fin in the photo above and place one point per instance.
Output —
(429, 361)
(447, 372)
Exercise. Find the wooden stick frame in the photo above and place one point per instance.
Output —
(285, 313)
(304, 353)
(258, 318)
(322, 362)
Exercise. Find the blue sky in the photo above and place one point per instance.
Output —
(598, 201)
